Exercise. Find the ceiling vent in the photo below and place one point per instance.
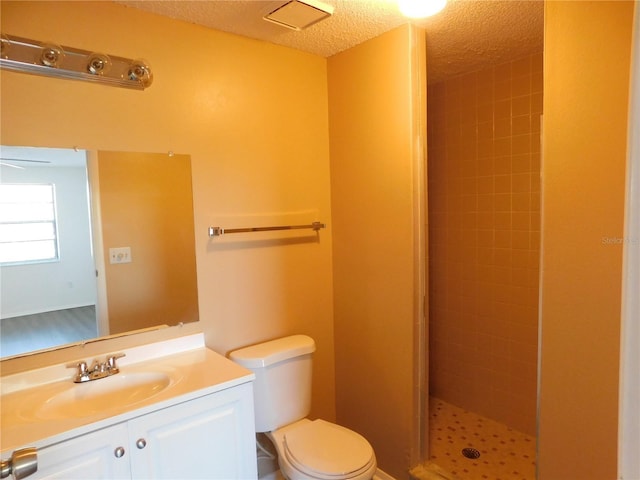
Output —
(298, 15)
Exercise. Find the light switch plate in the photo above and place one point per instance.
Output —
(120, 255)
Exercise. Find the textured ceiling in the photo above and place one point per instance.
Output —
(465, 36)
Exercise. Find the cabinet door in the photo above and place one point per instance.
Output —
(88, 457)
(211, 437)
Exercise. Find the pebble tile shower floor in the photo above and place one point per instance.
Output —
(505, 454)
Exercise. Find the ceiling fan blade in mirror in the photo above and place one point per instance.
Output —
(5, 164)
(23, 160)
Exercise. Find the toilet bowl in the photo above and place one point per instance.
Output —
(306, 449)
(322, 450)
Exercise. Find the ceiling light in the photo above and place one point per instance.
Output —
(420, 8)
(298, 14)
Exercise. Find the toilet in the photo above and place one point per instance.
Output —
(306, 449)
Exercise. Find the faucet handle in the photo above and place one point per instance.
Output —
(82, 372)
(111, 360)
(81, 366)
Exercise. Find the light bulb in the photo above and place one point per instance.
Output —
(140, 71)
(420, 8)
(51, 55)
(98, 63)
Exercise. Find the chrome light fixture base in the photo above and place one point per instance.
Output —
(43, 58)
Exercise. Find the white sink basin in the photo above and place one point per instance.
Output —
(89, 398)
(43, 406)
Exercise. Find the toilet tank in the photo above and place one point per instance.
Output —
(282, 388)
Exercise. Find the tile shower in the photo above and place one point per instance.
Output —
(498, 452)
(484, 231)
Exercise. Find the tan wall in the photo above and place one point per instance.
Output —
(376, 95)
(587, 54)
(253, 117)
(260, 144)
(484, 228)
(146, 204)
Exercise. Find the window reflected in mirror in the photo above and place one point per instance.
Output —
(28, 223)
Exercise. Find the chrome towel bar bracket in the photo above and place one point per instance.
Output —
(219, 231)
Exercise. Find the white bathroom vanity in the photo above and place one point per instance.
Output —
(175, 410)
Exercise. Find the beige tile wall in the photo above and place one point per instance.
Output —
(484, 231)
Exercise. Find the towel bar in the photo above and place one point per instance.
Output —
(219, 231)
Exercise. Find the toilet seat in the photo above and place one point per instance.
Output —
(322, 450)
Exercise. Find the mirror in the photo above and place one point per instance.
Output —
(108, 250)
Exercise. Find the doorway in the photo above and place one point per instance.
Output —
(48, 275)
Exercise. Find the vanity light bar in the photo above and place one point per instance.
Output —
(42, 58)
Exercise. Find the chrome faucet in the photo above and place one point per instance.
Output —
(98, 369)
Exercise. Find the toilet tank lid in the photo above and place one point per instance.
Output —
(268, 353)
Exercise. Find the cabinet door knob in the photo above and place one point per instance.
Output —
(22, 463)
(141, 443)
(119, 452)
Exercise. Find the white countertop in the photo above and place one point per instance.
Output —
(194, 369)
